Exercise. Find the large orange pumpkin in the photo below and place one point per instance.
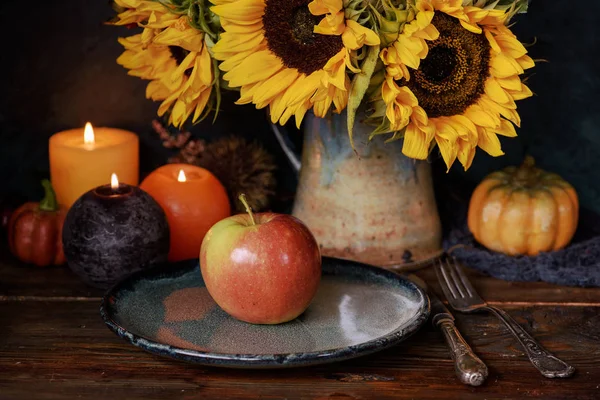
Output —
(523, 210)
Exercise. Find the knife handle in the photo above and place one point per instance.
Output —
(469, 368)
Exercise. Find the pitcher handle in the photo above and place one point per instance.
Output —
(292, 157)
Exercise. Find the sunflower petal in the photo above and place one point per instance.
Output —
(506, 129)
(363, 35)
(416, 143)
(241, 10)
(466, 154)
(521, 94)
(256, 67)
(481, 117)
(495, 91)
(525, 62)
(448, 150)
(489, 142)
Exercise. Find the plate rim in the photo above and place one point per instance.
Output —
(264, 361)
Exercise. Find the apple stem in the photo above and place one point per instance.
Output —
(248, 209)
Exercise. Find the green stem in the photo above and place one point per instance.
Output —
(524, 171)
(49, 202)
(248, 209)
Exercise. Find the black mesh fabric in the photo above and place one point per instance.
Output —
(576, 265)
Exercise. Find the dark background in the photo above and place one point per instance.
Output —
(58, 71)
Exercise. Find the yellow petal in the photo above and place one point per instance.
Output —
(415, 143)
(525, 62)
(470, 27)
(495, 91)
(303, 88)
(247, 94)
(320, 7)
(201, 104)
(511, 46)
(524, 93)
(512, 82)
(503, 66)
(187, 62)
(233, 61)
(300, 112)
(275, 84)
(331, 25)
(204, 66)
(481, 117)
(489, 142)
(506, 129)
(447, 149)
(466, 154)
(256, 67)
(363, 34)
(156, 91)
(233, 43)
(241, 10)
(428, 33)
(277, 108)
(492, 41)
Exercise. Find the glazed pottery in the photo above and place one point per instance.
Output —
(358, 310)
(375, 206)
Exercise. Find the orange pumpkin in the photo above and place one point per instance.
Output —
(523, 210)
(35, 231)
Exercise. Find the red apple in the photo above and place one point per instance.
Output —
(263, 268)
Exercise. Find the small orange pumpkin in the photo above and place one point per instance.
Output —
(523, 210)
(35, 231)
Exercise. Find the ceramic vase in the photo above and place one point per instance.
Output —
(377, 206)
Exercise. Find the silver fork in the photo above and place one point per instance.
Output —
(462, 297)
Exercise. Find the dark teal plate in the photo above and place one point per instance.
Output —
(358, 310)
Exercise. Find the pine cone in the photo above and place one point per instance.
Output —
(242, 167)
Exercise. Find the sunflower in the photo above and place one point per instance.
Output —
(451, 79)
(284, 55)
(136, 11)
(174, 57)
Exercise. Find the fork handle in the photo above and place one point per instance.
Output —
(547, 363)
(469, 368)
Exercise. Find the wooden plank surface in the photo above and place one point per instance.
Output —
(26, 281)
(53, 345)
(62, 349)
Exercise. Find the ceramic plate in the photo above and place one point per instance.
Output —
(358, 310)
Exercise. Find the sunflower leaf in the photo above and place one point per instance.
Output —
(359, 87)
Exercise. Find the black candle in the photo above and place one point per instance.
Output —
(112, 231)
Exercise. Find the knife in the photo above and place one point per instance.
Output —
(469, 368)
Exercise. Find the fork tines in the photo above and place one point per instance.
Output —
(454, 282)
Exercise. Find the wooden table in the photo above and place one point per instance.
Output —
(53, 345)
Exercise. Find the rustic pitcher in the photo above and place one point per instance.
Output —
(376, 207)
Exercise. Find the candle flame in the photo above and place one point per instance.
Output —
(114, 181)
(88, 134)
(181, 177)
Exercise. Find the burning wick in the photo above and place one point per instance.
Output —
(88, 134)
(181, 177)
(114, 182)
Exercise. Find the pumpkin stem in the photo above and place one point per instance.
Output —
(528, 162)
(524, 171)
(49, 202)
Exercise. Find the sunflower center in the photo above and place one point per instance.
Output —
(302, 24)
(452, 76)
(289, 33)
(439, 64)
